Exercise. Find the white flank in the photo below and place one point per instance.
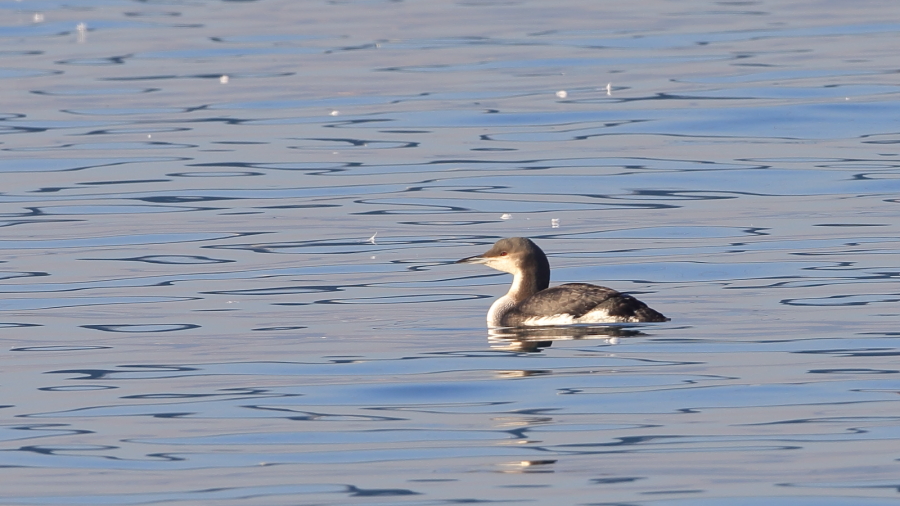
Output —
(557, 319)
(596, 316)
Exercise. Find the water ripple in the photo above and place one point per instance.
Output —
(272, 311)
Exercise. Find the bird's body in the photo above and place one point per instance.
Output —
(529, 301)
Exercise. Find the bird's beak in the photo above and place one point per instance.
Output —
(477, 259)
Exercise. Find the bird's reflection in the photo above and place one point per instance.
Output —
(534, 339)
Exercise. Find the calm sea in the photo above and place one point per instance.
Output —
(228, 228)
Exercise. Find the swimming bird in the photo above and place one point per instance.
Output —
(530, 302)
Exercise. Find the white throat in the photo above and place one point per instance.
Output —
(498, 309)
(502, 305)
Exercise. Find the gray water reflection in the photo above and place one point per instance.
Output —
(537, 338)
(229, 228)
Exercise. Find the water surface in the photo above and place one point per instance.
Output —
(229, 231)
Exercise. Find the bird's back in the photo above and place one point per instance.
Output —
(579, 303)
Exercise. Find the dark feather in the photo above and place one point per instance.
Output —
(578, 299)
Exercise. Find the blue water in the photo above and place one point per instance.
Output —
(229, 230)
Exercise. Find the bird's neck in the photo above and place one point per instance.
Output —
(498, 310)
(525, 286)
(522, 288)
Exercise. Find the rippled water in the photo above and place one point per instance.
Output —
(229, 228)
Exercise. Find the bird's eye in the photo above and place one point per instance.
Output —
(503, 253)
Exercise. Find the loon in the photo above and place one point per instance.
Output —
(530, 302)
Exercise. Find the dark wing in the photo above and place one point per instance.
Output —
(578, 299)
